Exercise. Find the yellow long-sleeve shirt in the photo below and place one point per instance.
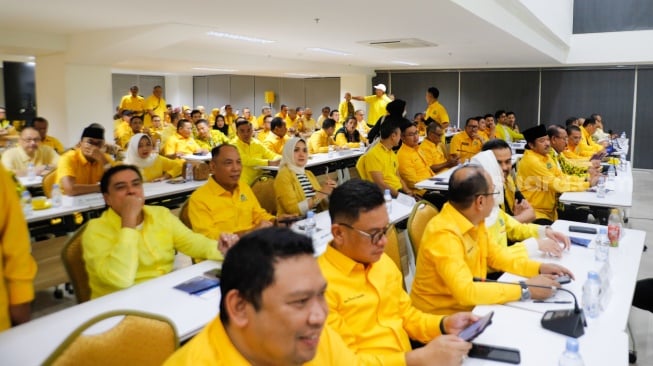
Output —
(290, 195)
(437, 112)
(74, 164)
(216, 138)
(17, 265)
(380, 159)
(117, 257)
(412, 166)
(541, 182)
(253, 155)
(319, 142)
(161, 166)
(587, 144)
(432, 153)
(506, 227)
(54, 143)
(343, 140)
(369, 308)
(213, 210)
(275, 143)
(465, 146)
(180, 144)
(507, 134)
(376, 107)
(452, 253)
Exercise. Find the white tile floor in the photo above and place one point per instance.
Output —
(641, 322)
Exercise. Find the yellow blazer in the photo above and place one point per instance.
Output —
(290, 194)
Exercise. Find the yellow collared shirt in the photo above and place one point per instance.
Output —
(319, 142)
(74, 164)
(437, 112)
(134, 104)
(432, 153)
(217, 138)
(380, 159)
(412, 166)
(178, 143)
(54, 143)
(275, 143)
(464, 146)
(161, 166)
(253, 155)
(376, 107)
(16, 159)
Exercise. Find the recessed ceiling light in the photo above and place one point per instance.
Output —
(407, 63)
(301, 75)
(329, 51)
(239, 37)
(213, 69)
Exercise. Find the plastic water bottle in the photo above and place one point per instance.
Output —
(26, 202)
(31, 172)
(388, 201)
(600, 187)
(591, 293)
(330, 151)
(189, 172)
(362, 146)
(615, 227)
(611, 173)
(602, 249)
(55, 196)
(309, 224)
(571, 357)
(157, 148)
(623, 163)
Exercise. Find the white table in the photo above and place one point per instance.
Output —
(32, 342)
(29, 183)
(323, 158)
(205, 157)
(620, 193)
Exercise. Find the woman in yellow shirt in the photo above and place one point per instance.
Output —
(154, 167)
(349, 136)
(297, 189)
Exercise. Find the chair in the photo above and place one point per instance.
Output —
(422, 213)
(183, 215)
(263, 188)
(138, 339)
(396, 250)
(48, 182)
(73, 260)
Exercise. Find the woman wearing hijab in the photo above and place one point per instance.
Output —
(297, 189)
(154, 167)
(221, 125)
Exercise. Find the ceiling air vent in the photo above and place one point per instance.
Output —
(399, 43)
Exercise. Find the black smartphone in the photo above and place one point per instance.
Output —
(197, 285)
(214, 273)
(563, 280)
(495, 353)
(582, 229)
(477, 328)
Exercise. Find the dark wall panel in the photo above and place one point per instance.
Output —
(644, 128)
(594, 16)
(488, 91)
(20, 90)
(580, 93)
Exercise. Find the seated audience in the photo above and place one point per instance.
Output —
(6, 128)
(368, 306)
(208, 138)
(79, 170)
(349, 136)
(277, 138)
(135, 126)
(433, 149)
(263, 133)
(226, 203)
(322, 139)
(17, 266)
(182, 143)
(30, 150)
(558, 139)
(504, 130)
(221, 125)
(309, 125)
(297, 189)
(121, 126)
(361, 124)
(153, 167)
(252, 152)
(467, 143)
(587, 144)
(41, 125)
(456, 249)
(413, 167)
(266, 111)
(131, 242)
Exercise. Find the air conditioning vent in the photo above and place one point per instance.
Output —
(399, 43)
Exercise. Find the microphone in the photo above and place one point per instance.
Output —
(518, 196)
(567, 322)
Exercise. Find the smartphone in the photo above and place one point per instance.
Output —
(477, 328)
(495, 353)
(214, 273)
(563, 280)
(580, 241)
(197, 285)
(582, 229)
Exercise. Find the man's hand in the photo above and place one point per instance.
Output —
(129, 210)
(20, 313)
(559, 237)
(555, 269)
(523, 211)
(226, 241)
(550, 246)
(454, 324)
(274, 162)
(542, 280)
(446, 350)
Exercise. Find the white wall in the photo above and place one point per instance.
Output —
(179, 90)
(357, 85)
(557, 15)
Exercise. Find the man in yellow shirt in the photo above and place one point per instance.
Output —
(6, 128)
(131, 242)
(283, 112)
(504, 131)
(155, 105)
(17, 266)
(587, 144)
(346, 109)
(361, 125)
(132, 102)
(252, 153)
(368, 306)
(278, 137)
(293, 121)
(30, 150)
(182, 143)
(456, 250)
(247, 115)
(540, 179)
(376, 103)
(226, 203)
(467, 143)
(308, 123)
(272, 310)
(325, 114)
(433, 149)
(435, 111)
(322, 139)
(41, 125)
(79, 171)
(265, 130)
(135, 126)
(208, 138)
(413, 167)
(380, 164)
(573, 150)
(266, 111)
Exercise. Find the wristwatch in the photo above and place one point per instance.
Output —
(525, 292)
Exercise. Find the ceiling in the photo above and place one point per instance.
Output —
(171, 37)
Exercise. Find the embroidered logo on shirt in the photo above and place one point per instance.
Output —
(355, 297)
(548, 165)
(243, 198)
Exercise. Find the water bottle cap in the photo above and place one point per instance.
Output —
(603, 231)
(387, 191)
(572, 345)
(592, 275)
(310, 214)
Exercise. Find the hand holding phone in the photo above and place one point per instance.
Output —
(477, 328)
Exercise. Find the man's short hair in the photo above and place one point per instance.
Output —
(572, 128)
(200, 121)
(488, 115)
(106, 177)
(432, 127)
(241, 121)
(498, 113)
(195, 111)
(470, 119)
(37, 120)
(589, 121)
(181, 123)
(215, 152)
(328, 123)
(266, 108)
(388, 128)
(495, 144)
(434, 92)
(249, 266)
(333, 111)
(465, 184)
(554, 130)
(570, 121)
(403, 126)
(136, 116)
(277, 122)
(352, 198)
(510, 113)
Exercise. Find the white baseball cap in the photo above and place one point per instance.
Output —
(380, 87)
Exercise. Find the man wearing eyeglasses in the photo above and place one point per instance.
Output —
(368, 306)
(467, 144)
(434, 151)
(456, 249)
(79, 170)
(30, 150)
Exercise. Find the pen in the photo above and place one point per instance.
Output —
(551, 302)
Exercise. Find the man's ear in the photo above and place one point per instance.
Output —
(338, 235)
(236, 307)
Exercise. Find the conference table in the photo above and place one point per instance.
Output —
(335, 161)
(619, 192)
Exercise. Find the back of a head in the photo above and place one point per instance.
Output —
(589, 121)
(328, 123)
(465, 184)
(249, 265)
(396, 107)
(495, 144)
(277, 122)
(352, 198)
(434, 92)
(388, 128)
(432, 127)
(570, 121)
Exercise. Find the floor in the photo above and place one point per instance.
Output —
(641, 322)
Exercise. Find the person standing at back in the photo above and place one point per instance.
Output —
(376, 104)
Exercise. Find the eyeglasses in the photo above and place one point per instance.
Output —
(375, 237)
(36, 140)
(487, 194)
(474, 127)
